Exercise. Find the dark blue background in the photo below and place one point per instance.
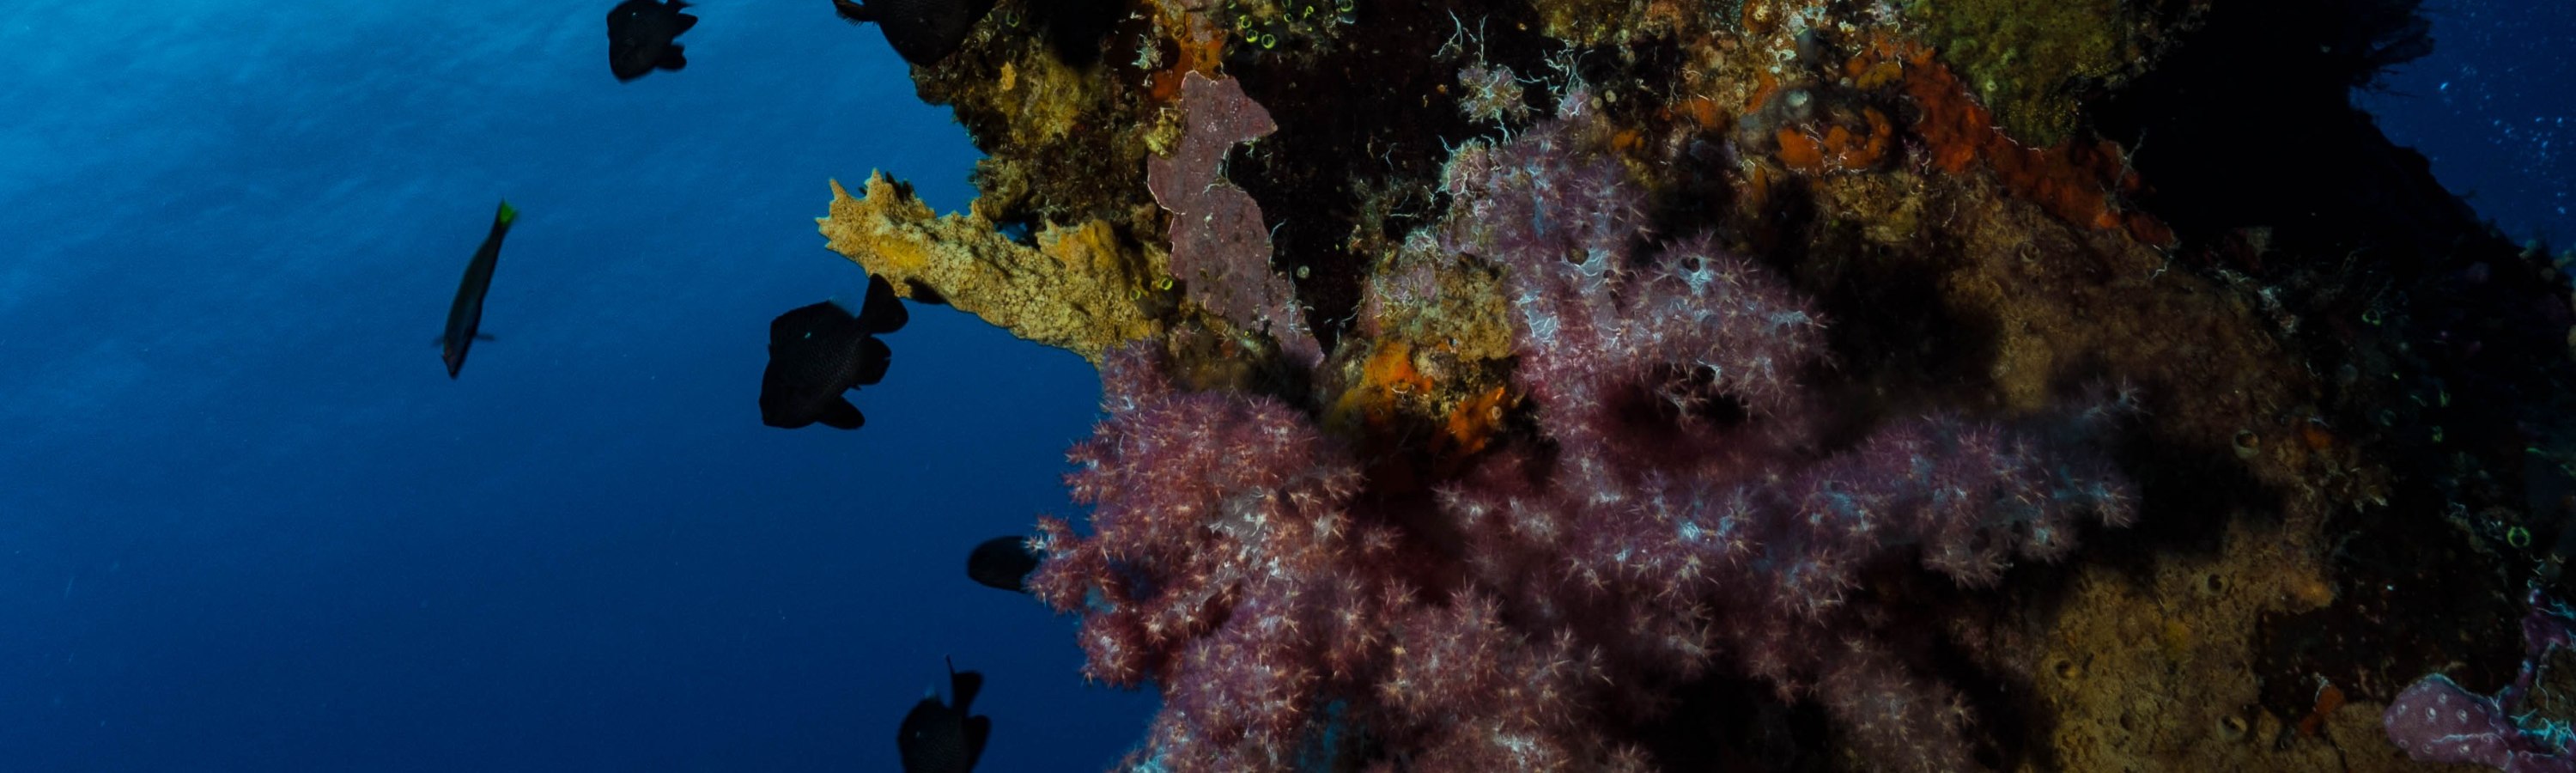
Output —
(247, 525)
(2494, 107)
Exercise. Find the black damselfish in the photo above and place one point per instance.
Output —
(943, 738)
(1002, 562)
(818, 352)
(642, 37)
(922, 31)
(465, 314)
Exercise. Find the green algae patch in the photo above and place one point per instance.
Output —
(2031, 61)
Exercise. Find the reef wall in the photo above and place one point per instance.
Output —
(1735, 384)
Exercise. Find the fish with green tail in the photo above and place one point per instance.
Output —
(465, 316)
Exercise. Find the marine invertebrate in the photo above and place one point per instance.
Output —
(2436, 720)
(1492, 94)
(1220, 249)
(1668, 383)
(1546, 604)
(1082, 288)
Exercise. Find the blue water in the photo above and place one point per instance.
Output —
(248, 524)
(2494, 108)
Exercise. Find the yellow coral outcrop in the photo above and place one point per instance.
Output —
(1083, 288)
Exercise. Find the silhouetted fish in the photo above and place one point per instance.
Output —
(1002, 562)
(642, 36)
(940, 738)
(465, 315)
(923, 31)
(818, 352)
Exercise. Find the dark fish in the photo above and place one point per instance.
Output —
(939, 738)
(922, 31)
(642, 37)
(818, 352)
(465, 316)
(1002, 562)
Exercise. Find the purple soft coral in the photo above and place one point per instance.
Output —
(1684, 517)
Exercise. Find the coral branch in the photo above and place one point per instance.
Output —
(1078, 289)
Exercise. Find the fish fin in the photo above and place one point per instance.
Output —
(853, 13)
(686, 21)
(672, 59)
(962, 687)
(873, 358)
(882, 312)
(484, 337)
(978, 730)
(507, 215)
(841, 414)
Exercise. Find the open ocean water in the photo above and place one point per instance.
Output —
(248, 524)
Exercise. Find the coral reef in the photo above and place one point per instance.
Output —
(1219, 249)
(1758, 384)
(2435, 720)
(1229, 562)
(2031, 60)
(1082, 288)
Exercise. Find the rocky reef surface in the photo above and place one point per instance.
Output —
(1741, 384)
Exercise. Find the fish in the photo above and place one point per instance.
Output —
(819, 351)
(642, 37)
(922, 31)
(465, 315)
(1002, 562)
(943, 738)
